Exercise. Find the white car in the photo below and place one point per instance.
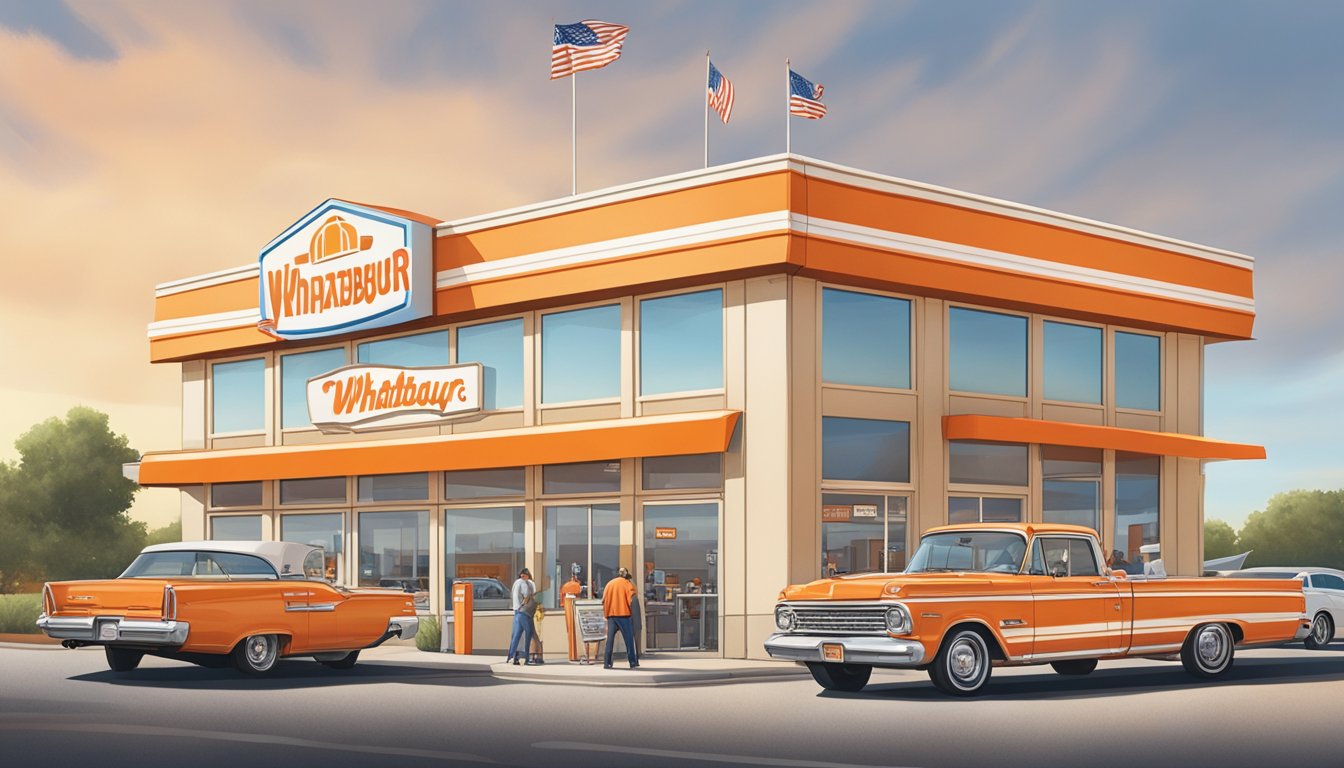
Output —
(1324, 588)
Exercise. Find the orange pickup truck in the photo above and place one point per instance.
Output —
(212, 602)
(983, 595)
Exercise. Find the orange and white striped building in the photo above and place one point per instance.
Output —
(727, 380)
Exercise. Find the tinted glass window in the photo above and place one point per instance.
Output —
(978, 463)
(865, 449)
(394, 552)
(987, 509)
(581, 354)
(862, 532)
(1072, 363)
(238, 391)
(324, 530)
(681, 343)
(412, 486)
(235, 494)
(987, 352)
(420, 350)
(1071, 485)
(1327, 581)
(483, 547)
(235, 528)
(498, 347)
(865, 339)
(1082, 560)
(1138, 371)
(1137, 500)
(201, 564)
(700, 470)
(484, 483)
(312, 490)
(295, 371)
(585, 477)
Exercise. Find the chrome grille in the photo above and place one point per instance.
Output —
(868, 619)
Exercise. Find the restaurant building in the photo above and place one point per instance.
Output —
(727, 380)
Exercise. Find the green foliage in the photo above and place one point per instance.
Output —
(1219, 540)
(18, 613)
(1297, 528)
(63, 505)
(430, 633)
(167, 534)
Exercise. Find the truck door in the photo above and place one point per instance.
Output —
(1078, 611)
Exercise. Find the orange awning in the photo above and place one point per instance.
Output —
(668, 435)
(1009, 430)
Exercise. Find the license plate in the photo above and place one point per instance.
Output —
(832, 652)
(107, 631)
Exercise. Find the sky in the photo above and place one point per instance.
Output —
(142, 142)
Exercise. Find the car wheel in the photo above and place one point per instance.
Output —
(1075, 666)
(256, 654)
(122, 659)
(962, 665)
(345, 662)
(1322, 632)
(1207, 652)
(840, 677)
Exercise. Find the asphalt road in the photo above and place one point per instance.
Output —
(64, 708)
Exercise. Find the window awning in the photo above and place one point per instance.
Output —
(667, 435)
(1014, 430)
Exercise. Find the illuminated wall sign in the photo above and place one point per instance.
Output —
(359, 397)
(343, 268)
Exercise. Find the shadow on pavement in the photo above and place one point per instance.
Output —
(288, 675)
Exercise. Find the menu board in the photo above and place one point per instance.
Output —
(589, 622)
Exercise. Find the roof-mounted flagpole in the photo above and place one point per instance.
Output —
(706, 106)
(574, 134)
(788, 124)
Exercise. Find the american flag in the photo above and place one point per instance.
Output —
(720, 94)
(586, 45)
(805, 97)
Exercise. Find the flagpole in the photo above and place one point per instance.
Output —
(788, 125)
(706, 107)
(573, 134)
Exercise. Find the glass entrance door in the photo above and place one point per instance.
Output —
(681, 575)
(583, 539)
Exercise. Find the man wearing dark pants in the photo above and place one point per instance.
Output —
(523, 607)
(616, 599)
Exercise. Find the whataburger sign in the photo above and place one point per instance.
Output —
(359, 397)
(345, 267)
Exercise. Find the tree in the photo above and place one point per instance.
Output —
(1297, 528)
(169, 533)
(1219, 540)
(66, 501)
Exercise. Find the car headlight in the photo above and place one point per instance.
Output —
(784, 618)
(898, 620)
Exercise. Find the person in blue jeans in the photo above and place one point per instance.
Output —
(524, 605)
(617, 601)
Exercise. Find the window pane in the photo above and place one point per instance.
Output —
(681, 343)
(987, 352)
(295, 371)
(585, 477)
(498, 347)
(325, 531)
(483, 547)
(420, 350)
(235, 494)
(1138, 371)
(566, 544)
(581, 354)
(898, 513)
(1071, 490)
(412, 486)
(852, 530)
(238, 391)
(865, 339)
(235, 528)
(1137, 487)
(997, 510)
(1072, 363)
(963, 509)
(977, 463)
(312, 490)
(700, 470)
(606, 544)
(1082, 560)
(394, 552)
(484, 483)
(865, 449)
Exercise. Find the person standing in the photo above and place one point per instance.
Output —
(616, 602)
(523, 607)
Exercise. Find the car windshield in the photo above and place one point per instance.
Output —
(199, 565)
(975, 551)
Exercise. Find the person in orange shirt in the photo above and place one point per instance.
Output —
(616, 599)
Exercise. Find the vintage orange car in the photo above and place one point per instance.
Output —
(977, 596)
(209, 602)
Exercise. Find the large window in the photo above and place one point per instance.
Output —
(484, 548)
(1137, 510)
(583, 539)
(972, 462)
(581, 354)
(861, 532)
(411, 486)
(865, 339)
(698, 470)
(312, 490)
(1138, 371)
(394, 552)
(238, 393)
(583, 477)
(868, 450)
(1072, 363)
(420, 350)
(983, 509)
(484, 483)
(247, 494)
(235, 527)
(325, 530)
(1071, 486)
(295, 371)
(987, 352)
(681, 343)
(498, 347)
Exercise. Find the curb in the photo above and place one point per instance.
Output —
(623, 677)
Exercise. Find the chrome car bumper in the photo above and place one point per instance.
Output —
(882, 651)
(1303, 630)
(405, 627)
(114, 629)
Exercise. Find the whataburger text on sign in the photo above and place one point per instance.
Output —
(358, 397)
(346, 267)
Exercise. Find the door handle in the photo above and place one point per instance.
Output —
(1102, 583)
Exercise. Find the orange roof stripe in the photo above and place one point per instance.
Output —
(1016, 430)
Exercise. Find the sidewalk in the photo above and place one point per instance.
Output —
(660, 669)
